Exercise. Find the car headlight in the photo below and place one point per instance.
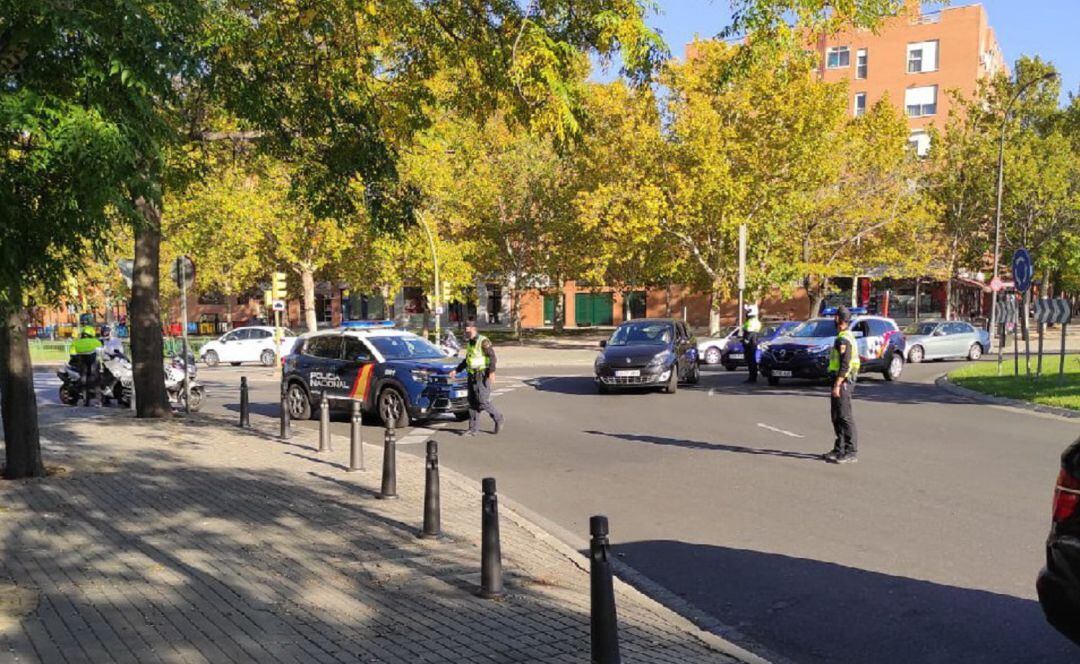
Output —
(420, 375)
(763, 346)
(600, 363)
(659, 361)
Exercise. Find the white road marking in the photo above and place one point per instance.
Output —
(786, 433)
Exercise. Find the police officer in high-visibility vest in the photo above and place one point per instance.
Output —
(844, 368)
(84, 352)
(750, 330)
(479, 363)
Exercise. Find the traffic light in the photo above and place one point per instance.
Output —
(268, 299)
(277, 286)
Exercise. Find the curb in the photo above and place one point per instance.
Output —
(944, 383)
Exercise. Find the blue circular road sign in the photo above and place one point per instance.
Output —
(1022, 270)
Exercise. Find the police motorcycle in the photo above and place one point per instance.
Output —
(449, 344)
(114, 378)
(175, 379)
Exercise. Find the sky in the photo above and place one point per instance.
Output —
(1048, 28)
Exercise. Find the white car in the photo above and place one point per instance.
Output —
(710, 348)
(246, 344)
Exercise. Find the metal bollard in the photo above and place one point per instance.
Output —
(245, 417)
(286, 422)
(389, 466)
(325, 445)
(432, 518)
(491, 579)
(356, 441)
(603, 623)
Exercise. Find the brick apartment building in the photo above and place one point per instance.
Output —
(915, 59)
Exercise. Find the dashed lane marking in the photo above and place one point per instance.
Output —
(783, 431)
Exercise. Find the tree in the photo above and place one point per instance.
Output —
(80, 132)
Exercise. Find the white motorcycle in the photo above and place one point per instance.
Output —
(174, 383)
(114, 377)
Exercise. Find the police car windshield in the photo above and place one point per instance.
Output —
(920, 328)
(642, 334)
(819, 327)
(405, 347)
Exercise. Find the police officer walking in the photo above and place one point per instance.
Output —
(85, 352)
(479, 363)
(750, 331)
(844, 368)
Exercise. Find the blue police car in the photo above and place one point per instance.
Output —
(804, 351)
(734, 354)
(388, 371)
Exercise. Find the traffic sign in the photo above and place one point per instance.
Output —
(279, 305)
(1055, 312)
(188, 269)
(1022, 270)
(127, 269)
(439, 311)
(1009, 310)
(996, 284)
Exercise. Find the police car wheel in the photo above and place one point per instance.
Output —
(391, 401)
(894, 368)
(267, 358)
(299, 404)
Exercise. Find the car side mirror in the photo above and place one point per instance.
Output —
(939, 332)
(603, 344)
(363, 357)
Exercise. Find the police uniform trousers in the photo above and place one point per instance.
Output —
(847, 439)
(750, 350)
(480, 400)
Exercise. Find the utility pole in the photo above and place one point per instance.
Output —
(438, 287)
(742, 269)
(1001, 189)
(182, 277)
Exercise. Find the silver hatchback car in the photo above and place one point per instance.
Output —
(944, 339)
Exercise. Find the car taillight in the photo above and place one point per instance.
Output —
(1066, 496)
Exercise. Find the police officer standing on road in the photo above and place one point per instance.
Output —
(844, 368)
(85, 350)
(479, 363)
(750, 330)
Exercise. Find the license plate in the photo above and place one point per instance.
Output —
(628, 373)
(736, 356)
(461, 394)
(781, 374)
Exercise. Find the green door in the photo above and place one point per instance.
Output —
(592, 309)
(549, 310)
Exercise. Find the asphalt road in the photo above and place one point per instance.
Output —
(924, 551)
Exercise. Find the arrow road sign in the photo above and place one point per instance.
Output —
(1022, 270)
(1008, 310)
(1055, 312)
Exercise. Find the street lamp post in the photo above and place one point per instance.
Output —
(438, 286)
(1001, 189)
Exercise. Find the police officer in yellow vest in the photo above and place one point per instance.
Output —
(84, 351)
(750, 331)
(479, 363)
(844, 368)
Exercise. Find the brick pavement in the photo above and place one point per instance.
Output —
(191, 541)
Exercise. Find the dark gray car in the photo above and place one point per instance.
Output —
(649, 352)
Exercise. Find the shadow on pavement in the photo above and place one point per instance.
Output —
(813, 611)
(702, 445)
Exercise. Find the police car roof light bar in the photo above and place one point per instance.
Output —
(367, 324)
(855, 311)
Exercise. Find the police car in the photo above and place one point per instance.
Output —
(804, 351)
(389, 371)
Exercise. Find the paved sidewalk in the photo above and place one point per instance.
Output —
(191, 541)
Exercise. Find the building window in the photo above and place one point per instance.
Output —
(919, 141)
(838, 57)
(921, 102)
(860, 104)
(861, 59)
(922, 57)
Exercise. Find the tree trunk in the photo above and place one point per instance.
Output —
(667, 300)
(819, 297)
(558, 317)
(714, 313)
(515, 310)
(147, 346)
(918, 283)
(307, 282)
(949, 298)
(18, 403)
(228, 313)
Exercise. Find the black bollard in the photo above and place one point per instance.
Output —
(432, 519)
(356, 442)
(324, 425)
(389, 466)
(286, 423)
(491, 579)
(245, 417)
(604, 625)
